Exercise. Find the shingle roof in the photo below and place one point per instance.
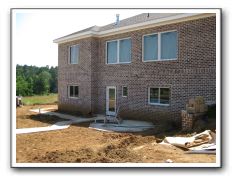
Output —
(137, 19)
(92, 28)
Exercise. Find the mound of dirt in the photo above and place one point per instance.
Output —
(116, 151)
(133, 140)
(118, 154)
(108, 154)
(127, 139)
(69, 156)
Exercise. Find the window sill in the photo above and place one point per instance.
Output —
(74, 97)
(158, 104)
(118, 63)
(160, 60)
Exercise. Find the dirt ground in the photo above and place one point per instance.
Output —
(28, 119)
(80, 144)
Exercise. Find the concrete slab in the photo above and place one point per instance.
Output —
(125, 126)
(57, 126)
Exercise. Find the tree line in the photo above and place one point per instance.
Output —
(33, 80)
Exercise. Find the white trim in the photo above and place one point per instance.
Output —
(118, 51)
(122, 91)
(159, 46)
(159, 104)
(107, 100)
(69, 91)
(148, 24)
(69, 55)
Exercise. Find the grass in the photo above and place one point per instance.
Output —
(40, 99)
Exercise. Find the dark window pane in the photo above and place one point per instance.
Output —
(112, 94)
(71, 91)
(124, 92)
(154, 95)
(76, 91)
(112, 100)
(164, 95)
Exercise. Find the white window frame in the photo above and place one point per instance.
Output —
(122, 91)
(159, 46)
(160, 104)
(69, 91)
(118, 46)
(69, 56)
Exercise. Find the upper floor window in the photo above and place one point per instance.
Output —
(118, 51)
(74, 54)
(160, 46)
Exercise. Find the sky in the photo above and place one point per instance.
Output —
(34, 30)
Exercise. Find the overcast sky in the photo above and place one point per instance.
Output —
(35, 30)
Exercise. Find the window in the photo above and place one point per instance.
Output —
(73, 91)
(160, 96)
(160, 46)
(124, 91)
(168, 45)
(150, 47)
(112, 52)
(74, 54)
(118, 51)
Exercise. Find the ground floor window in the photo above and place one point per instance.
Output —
(73, 91)
(124, 91)
(160, 96)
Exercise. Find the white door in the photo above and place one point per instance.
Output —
(110, 100)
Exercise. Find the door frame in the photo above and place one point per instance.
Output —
(107, 100)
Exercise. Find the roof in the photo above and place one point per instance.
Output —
(92, 28)
(140, 21)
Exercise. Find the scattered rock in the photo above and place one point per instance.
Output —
(168, 161)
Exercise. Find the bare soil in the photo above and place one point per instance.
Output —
(80, 144)
(28, 119)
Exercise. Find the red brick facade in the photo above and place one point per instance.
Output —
(192, 74)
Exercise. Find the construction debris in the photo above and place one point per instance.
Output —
(204, 142)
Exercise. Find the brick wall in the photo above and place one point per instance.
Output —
(192, 74)
(75, 74)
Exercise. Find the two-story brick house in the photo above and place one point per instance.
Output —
(149, 65)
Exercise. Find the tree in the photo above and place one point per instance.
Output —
(53, 81)
(41, 85)
(21, 86)
(32, 80)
